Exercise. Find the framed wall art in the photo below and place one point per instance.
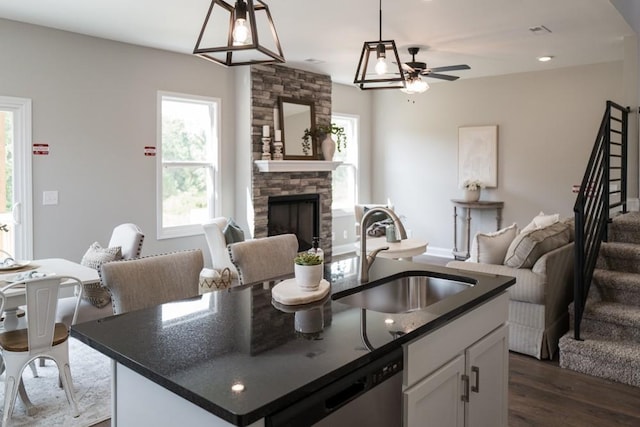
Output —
(478, 154)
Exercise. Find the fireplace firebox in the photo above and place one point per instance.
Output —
(295, 214)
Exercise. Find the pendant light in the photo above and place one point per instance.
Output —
(383, 73)
(232, 33)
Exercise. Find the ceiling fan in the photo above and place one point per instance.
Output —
(414, 68)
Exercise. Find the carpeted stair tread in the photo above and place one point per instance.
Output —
(617, 286)
(613, 312)
(619, 256)
(625, 228)
(611, 320)
(617, 279)
(600, 357)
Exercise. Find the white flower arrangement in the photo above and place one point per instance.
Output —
(472, 184)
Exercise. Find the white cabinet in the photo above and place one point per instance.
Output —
(435, 401)
(458, 374)
(487, 370)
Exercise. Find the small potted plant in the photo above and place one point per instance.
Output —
(323, 134)
(472, 189)
(308, 270)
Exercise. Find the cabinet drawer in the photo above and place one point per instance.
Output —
(427, 353)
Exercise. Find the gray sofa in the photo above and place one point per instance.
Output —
(538, 302)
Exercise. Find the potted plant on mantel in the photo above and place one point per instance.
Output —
(323, 133)
(308, 271)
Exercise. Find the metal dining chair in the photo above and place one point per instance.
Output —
(43, 338)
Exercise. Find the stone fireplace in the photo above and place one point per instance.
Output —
(268, 82)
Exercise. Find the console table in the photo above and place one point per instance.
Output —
(470, 206)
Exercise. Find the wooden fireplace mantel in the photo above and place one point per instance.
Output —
(296, 165)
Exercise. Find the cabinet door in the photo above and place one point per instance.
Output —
(488, 371)
(436, 401)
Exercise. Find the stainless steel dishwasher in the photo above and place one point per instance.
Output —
(369, 396)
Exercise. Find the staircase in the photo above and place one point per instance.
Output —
(610, 329)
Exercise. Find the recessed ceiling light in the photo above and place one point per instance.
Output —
(545, 58)
(313, 61)
(237, 387)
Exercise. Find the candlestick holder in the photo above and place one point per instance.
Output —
(266, 148)
(277, 150)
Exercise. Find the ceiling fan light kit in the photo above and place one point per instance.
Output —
(379, 74)
(415, 85)
(233, 34)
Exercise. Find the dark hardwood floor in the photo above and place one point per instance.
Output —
(542, 394)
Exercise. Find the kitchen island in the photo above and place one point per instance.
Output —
(236, 358)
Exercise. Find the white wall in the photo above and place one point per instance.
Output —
(547, 123)
(351, 100)
(94, 103)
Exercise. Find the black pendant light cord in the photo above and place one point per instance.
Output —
(380, 23)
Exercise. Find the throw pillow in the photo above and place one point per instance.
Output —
(232, 232)
(491, 248)
(526, 248)
(541, 221)
(93, 258)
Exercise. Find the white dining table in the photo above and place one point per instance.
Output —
(16, 297)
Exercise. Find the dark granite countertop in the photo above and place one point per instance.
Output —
(199, 348)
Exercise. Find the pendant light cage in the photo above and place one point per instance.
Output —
(383, 69)
(220, 28)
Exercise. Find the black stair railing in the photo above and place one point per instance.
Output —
(603, 192)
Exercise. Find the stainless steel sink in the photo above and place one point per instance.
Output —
(405, 294)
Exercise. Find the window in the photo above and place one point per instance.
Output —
(345, 188)
(189, 129)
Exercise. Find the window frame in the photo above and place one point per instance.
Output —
(340, 212)
(166, 232)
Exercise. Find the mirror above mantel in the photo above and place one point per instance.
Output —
(296, 115)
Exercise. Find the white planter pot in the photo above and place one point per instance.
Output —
(328, 147)
(471, 195)
(309, 321)
(308, 276)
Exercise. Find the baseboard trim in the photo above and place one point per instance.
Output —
(343, 249)
(440, 252)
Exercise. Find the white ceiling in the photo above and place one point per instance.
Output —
(492, 36)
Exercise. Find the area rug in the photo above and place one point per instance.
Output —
(91, 373)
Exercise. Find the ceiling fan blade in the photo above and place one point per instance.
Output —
(407, 68)
(451, 68)
(441, 76)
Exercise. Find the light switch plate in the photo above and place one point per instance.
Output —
(49, 197)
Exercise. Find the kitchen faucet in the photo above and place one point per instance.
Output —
(367, 260)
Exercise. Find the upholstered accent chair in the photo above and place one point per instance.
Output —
(538, 302)
(217, 243)
(268, 258)
(149, 281)
(129, 238)
(360, 209)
